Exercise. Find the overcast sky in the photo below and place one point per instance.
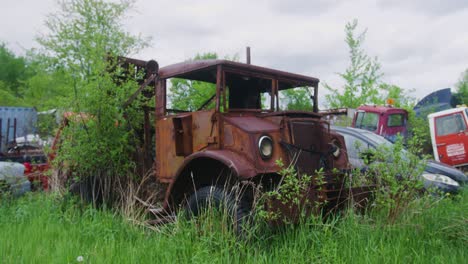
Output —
(421, 44)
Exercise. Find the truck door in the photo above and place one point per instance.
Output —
(452, 138)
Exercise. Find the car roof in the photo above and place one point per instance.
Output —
(351, 130)
(356, 132)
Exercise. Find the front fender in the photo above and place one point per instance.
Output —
(239, 166)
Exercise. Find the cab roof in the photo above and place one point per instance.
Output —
(381, 109)
(205, 70)
(447, 112)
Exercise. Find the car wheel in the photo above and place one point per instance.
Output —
(237, 206)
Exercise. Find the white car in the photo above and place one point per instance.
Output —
(12, 178)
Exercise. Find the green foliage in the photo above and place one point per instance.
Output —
(12, 71)
(398, 185)
(30, 81)
(289, 201)
(362, 77)
(190, 95)
(46, 89)
(400, 96)
(84, 38)
(7, 98)
(84, 33)
(461, 96)
(296, 99)
(419, 139)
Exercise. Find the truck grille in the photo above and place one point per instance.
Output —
(309, 145)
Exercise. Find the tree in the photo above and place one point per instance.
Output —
(13, 72)
(83, 40)
(362, 77)
(84, 33)
(6, 96)
(401, 97)
(296, 99)
(461, 97)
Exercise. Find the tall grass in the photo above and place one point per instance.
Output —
(41, 228)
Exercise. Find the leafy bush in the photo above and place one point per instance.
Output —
(84, 40)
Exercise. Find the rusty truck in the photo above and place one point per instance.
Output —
(236, 138)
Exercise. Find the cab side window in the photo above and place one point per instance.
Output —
(395, 120)
(451, 124)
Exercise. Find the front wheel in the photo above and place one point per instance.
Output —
(237, 206)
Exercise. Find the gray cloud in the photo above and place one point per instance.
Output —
(420, 44)
(303, 7)
(431, 7)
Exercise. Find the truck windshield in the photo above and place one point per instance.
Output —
(395, 120)
(367, 121)
(450, 124)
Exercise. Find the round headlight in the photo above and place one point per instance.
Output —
(265, 146)
(439, 178)
(335, 149)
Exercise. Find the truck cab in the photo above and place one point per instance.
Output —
(449, 136)
(386, 121)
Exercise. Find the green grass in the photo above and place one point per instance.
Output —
(40, 228)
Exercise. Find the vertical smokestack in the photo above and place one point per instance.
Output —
(248, 55)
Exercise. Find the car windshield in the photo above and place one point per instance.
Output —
(367, 140)
(376, 139)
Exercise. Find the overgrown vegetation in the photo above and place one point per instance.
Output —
(396, 173)
(85, 39)
(43, 228)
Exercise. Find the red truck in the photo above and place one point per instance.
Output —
(387, 121)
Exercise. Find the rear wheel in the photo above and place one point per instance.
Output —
(237, 205)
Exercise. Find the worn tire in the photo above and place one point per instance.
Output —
(238, 208)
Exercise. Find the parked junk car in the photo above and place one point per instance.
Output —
(15, 122)
(387, 121)
(436, 174)
(449, 136)
(235, 138)
(19, 143)
(12, 178)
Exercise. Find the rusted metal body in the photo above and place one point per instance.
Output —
(210, 146)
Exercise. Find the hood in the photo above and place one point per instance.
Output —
(252, 124)
(444, 169)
